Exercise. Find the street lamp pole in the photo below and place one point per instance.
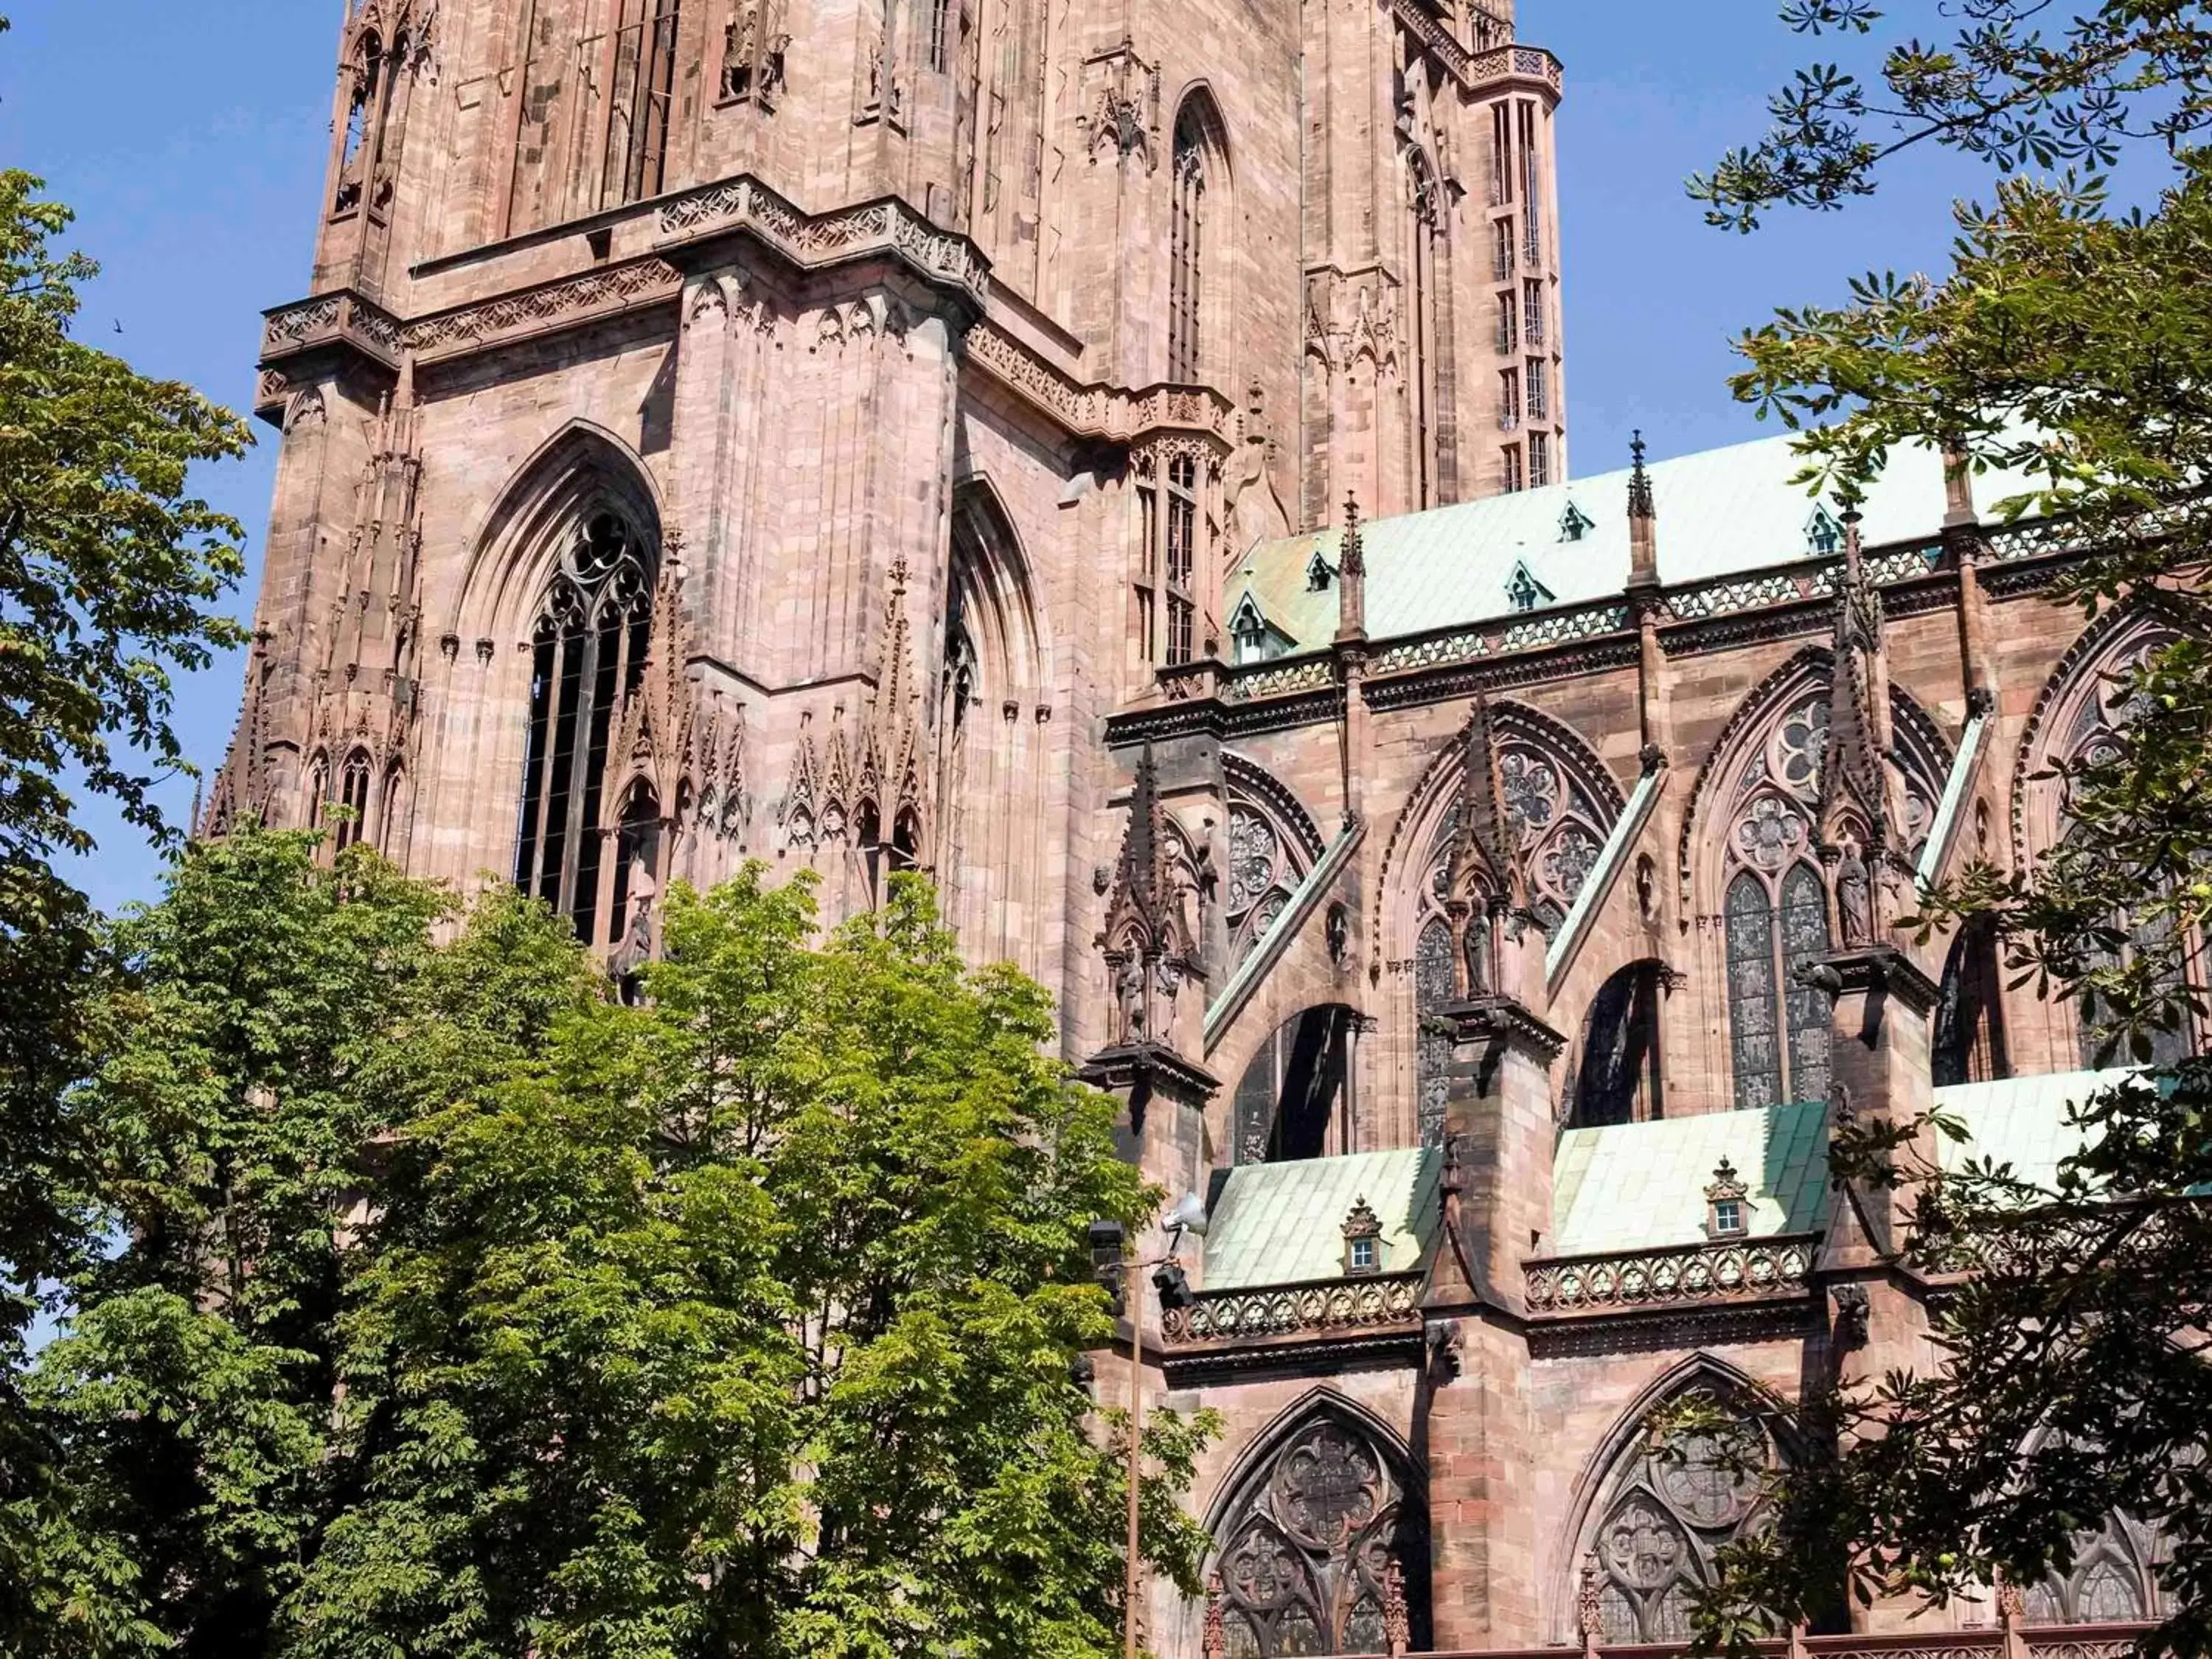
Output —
(1188, 1216)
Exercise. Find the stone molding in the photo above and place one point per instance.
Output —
(884, 227)
(1104, 414)
(566, 304)
(1977, 1642)
(1501, 1021)
(1299, 1309)
(1162, 1069)
(1880, 968)
(1739, 1271)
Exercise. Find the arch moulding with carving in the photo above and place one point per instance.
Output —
(1596, 1477)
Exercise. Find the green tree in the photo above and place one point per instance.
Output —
(2070, 342)
(463, 1309)
(743, 1323)
(110, 575)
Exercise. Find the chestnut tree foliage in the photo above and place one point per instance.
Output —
(466, 1309)
(111, 574)
(2070, 341)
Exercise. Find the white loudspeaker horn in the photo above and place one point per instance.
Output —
(1188, 1215)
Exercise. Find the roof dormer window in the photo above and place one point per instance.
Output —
(1523, 592)
(1574, 523)
(1319, 573)
(1824, 536)
(1728, 1205)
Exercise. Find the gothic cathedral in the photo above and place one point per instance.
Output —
(1110, 455)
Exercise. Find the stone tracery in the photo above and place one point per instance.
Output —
(1310, 1538)
(1665, 1507)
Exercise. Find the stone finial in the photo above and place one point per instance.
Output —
(1643, 522)
(1351, 578)
(1397, 1624)
(1727, 1183)
(1215, 1642)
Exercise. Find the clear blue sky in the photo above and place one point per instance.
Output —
(190, 138)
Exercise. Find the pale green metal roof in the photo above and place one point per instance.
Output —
(1283, 1223)
(1722, 512)
(1627, 1186)
(2020, 1121)
(1642, 1186)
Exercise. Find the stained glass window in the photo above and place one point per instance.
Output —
(1434, 984)
(2114, 1578)
(1662, 1515)
(1309, 1540)
(588, 653)
(1804, 937)
(1751, 992)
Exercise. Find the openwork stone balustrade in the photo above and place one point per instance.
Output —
(1337, 1304)
(1695, 1272)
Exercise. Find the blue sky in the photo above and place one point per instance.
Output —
(191, 139)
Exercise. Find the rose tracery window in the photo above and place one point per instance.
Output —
(1272, 847)
(1662, 1515)
(1310, 1540)
(588, 652)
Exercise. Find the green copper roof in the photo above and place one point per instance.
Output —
(1642, 1186)
(1629, 1186)
(1283, 1223)
(2020, 1121)
(1722, 512)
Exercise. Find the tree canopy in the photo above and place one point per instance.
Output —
(469, 1309)
(2070, 342)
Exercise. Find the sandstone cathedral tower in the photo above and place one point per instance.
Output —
(1110, 455)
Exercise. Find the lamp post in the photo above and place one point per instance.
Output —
(1126, 1279)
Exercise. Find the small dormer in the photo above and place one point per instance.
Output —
(1363, 1240)
(1523, 592)
(1824, 536)
(1252, 637)
(1728, 1204)
(1574, 523)
(1319, 573)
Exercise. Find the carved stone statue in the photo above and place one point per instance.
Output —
(1854, 898)
(1129, 998)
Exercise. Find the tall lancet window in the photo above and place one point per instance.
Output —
(588, 653)
(644, 87)
(1194, 163)
(1182, 559)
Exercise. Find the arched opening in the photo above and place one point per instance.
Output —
(353, 795)
(1430, 383)
(1670, 1501)
(1970, 1032)
(588, 652)
(1617, 1080)
(1321, 1513)
(1294, 1100)
(1197, 167)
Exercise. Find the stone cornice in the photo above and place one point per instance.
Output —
(884, 228)
(1154, 1065)
(1501, 1019)
(1879, 967)
(1095, 411)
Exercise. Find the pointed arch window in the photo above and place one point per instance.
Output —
(644, 90)
(2114, 1578)
(1308, 1543)
(353, 795)
(1193, 164)
(588, 652)
(1182, 559)
(2091, 732)
(1662, 1515)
